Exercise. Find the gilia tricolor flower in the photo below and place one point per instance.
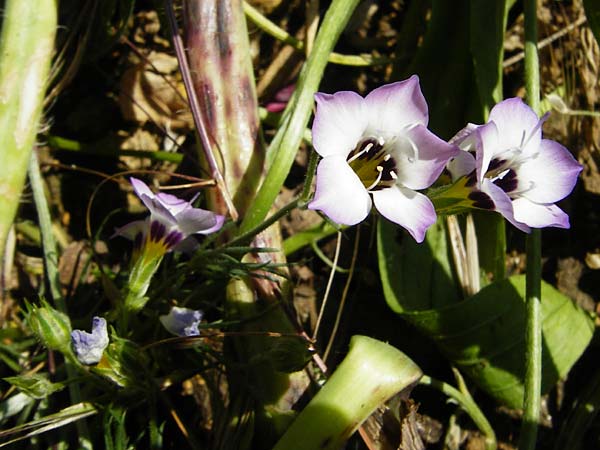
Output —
(171, 223)
(513, 170)
(378, 146)
(171, 226)
(89, 347)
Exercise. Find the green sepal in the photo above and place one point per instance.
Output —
(123, 363)
(52, 327)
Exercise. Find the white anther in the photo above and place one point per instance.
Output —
(393, 175)
(387, 157)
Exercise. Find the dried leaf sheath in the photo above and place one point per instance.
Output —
(221, 69)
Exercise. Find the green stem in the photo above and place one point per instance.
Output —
(248, 235)
(51, 266)
(285, 144)
(533, 334)
(467, 403)
(310, 173)
(369, 375)
(280, 34)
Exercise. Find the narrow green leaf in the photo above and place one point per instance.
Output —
(487, 23)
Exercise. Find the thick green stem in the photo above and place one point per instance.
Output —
(285, 144)
(371, 373)
(26, 46)
(533, 336)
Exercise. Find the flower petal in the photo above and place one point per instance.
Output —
(419, 171)
(142, 190)
(550, 175)
(409, 209)
(131, 230)
(502, 203)
(539, 216)
(339, 193)
(517, 124)
(487, 146)
(182, 321)
(89, 347)
(340, 121)
(174, 204)
(197, 220)
(464, 138)
(462, 164)
(395, 106)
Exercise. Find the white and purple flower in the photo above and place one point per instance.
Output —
(89, 347)
(172, 221)
(513, 169)
(182, 321)
(377, 146)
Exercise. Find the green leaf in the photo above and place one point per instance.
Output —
(415, 276)
(484, 334)
(36, 385)
(592, 12)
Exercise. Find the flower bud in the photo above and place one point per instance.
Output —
(52, 327)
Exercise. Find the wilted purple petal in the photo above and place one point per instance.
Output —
(409, 209)
(89, 347)
(340, 121)
(538, 215)
(182, 321)
(549, 176)
(339, 193)
(420, 171)
(395, 106)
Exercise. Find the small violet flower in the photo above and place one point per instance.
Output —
(171, 224)
(89, 347)
(377, 146)
(513, 170)
(182, 321)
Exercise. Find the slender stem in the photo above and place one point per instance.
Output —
(195, 108)
(310, 173)
(248, 235)
(282, 150)
(280, 34)
(329, 283)
(467, 403)
(340, 310)
(51, 266)
(533, 334)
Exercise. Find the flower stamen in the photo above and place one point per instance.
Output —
(377, 180)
